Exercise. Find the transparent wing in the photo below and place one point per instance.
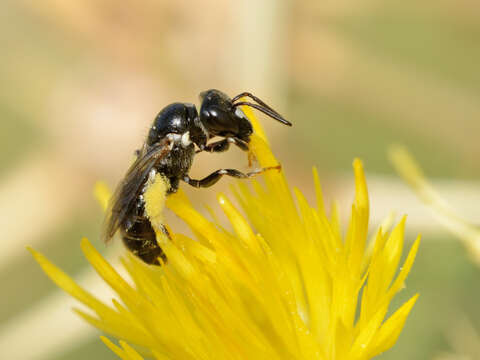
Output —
(124, 198)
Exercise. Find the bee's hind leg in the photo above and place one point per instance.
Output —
(166, 232)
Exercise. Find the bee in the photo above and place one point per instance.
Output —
(179, 132)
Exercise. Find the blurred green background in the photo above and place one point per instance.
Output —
(81, 82)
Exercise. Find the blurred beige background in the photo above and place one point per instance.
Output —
(82, 81)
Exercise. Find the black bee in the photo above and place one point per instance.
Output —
(169, 150)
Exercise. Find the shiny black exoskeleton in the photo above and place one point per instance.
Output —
(169, 150)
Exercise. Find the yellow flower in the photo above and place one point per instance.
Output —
(413, 175)
(281, 282)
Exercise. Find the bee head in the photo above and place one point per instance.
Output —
(222, 116)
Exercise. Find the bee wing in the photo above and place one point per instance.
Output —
(126, 193)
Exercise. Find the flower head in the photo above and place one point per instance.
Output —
(281, 282)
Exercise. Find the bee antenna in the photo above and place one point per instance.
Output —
(254, 98)
(264, 105)
(266, 110)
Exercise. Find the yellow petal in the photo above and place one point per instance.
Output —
(391, 329)
(102, 193)
(115, 349)
(411, 172)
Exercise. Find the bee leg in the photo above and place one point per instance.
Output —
(215, 176)
(166, 232)
(223, 145)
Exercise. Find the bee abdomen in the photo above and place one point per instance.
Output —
(141, 240)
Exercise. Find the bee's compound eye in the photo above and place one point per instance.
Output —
(205, 114)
